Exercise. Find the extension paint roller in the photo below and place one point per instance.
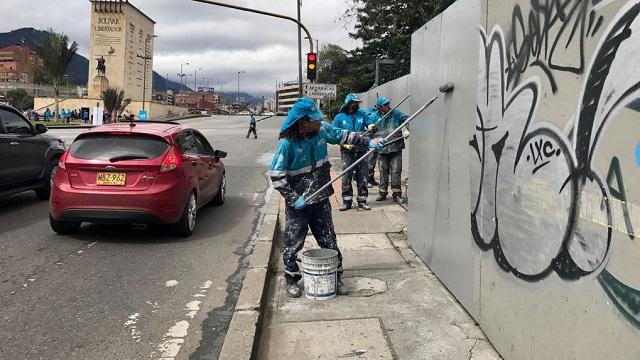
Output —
(446, 88)
(388, 113)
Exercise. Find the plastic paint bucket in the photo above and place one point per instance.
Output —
(319, 267)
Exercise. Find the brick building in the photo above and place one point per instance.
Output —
(18, 64)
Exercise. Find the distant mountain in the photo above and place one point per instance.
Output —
(78, 70)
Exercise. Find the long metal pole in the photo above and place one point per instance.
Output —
(261, 12)
(389, 113)
(238, 93)
(366, 156)
(300, 52)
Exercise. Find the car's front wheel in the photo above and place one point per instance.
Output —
(64, 227)
(44, 192)
(187, 223)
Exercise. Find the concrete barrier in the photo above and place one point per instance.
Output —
(525, 182)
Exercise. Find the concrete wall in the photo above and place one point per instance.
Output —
(395, 91)
(525, 186)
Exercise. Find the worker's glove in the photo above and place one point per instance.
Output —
(349, 147)
(372, 128)
(377, 144)
(405, 133)
(300, 203)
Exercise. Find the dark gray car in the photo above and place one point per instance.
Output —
(28, 156)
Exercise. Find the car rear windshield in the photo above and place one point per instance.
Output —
(107, 147)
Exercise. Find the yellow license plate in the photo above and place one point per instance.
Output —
(114, 179)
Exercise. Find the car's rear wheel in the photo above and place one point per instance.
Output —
(187, 223)
(44, 192)
(222, 192)
(64, 227)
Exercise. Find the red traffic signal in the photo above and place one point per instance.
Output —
(311, 66)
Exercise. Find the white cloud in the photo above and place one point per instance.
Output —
(220, 41)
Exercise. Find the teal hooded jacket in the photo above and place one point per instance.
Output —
(299, 168)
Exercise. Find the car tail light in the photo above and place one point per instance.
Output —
(171, 160)
(62, 161)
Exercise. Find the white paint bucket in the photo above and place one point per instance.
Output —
(319, 267)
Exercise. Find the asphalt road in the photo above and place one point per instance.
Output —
(112, 292)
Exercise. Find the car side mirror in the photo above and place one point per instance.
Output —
(220, 154)
(41, 128)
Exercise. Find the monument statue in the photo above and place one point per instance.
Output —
(102, 68)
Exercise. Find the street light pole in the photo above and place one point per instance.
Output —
(378, 63)
(195, 79)
(182, 74)
(261, 12)
(238, 93)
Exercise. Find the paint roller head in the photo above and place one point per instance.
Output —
(447, 88)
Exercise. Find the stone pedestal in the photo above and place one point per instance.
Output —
(98, 84)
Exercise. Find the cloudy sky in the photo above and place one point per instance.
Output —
(220, 41)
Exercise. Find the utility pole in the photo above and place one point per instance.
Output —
(261, 12)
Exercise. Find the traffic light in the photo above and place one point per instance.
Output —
(311, 66)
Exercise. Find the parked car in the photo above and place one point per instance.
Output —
(28, 156)
(140, 173)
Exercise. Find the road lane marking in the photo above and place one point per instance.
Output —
(171, 283)
(192, 308)
(174, 338)
(131, 325)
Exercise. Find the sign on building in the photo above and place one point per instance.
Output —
(320, 91)
(205, 89)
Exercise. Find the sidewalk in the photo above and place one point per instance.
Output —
(396, 308)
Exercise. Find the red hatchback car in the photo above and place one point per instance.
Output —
(138, 173)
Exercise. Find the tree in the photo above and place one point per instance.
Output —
(385, 28)
(336, 66)
(56, 54)
(114, 102)
(20, 99)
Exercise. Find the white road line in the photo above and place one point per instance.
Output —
(171, 283)
(131, 325)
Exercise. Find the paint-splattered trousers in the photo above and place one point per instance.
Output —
(390, 165)
(358, 174)
(316, 217)
(371, 166)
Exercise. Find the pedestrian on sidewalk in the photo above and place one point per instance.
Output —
(353, 119)
(300, 166)
(252, 126)
(390, 156)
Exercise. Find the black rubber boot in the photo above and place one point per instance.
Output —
(341, 289)
(381, 197)
(293, 290)
(363, 206)
(345, 206)
(398, 199)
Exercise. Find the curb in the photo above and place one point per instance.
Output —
(241, 342)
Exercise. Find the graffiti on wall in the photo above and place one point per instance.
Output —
(551, 37)
(539, 204)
